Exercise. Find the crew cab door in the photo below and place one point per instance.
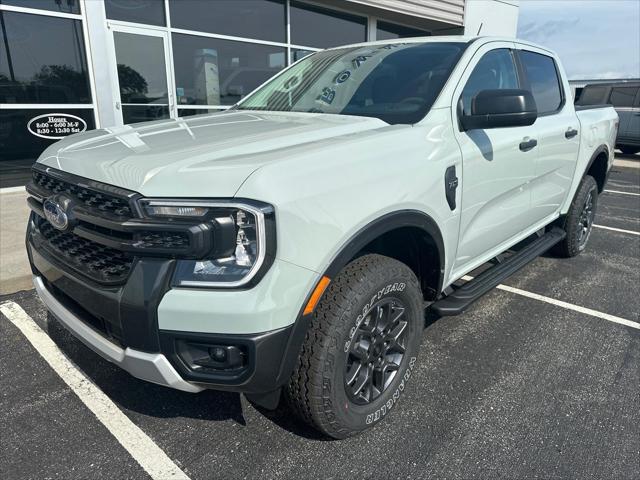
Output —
(556, 129)
(496, 169)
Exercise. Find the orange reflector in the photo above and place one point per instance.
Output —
(315, 296)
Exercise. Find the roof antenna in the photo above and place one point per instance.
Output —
(480, 28)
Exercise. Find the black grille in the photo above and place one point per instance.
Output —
(109, 328)
(178, 240)
(96, 261)
(93, 199)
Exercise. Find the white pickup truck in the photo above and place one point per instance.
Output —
(291, 244)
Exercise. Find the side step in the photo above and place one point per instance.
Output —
(461, 298)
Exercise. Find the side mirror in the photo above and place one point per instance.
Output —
(500, 108)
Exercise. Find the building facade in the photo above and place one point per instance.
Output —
(71, 65)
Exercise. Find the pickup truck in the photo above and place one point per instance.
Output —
(288, 247)
(625, 98)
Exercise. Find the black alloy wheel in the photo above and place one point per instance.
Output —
(376, 352)
(585, 222)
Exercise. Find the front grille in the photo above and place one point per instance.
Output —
(174, 240)
(92, 259)
(108, 328)
(98, 200)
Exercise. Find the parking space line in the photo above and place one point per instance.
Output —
(622, 193)
(568, 306)
(621, 230)
(149, 455)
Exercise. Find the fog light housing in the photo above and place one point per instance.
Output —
(203, 357)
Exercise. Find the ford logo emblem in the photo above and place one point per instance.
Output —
(55, 214)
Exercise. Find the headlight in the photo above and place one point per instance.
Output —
(245, 241)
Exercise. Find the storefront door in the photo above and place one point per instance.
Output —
(144, 89)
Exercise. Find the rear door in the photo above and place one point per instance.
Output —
(557, 130)
(495, 172)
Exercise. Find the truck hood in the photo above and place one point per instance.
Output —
(202, 156)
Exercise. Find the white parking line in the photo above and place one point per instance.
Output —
(621, 230)
(150, 457)
(622, 193)
(568, 306)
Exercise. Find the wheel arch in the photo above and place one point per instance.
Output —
(598, 166)
(423, 238)
(413, 222)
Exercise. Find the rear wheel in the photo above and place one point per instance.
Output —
(628, 150)
(360, 348)
(578, 222)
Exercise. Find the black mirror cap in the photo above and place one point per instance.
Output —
(501, 108)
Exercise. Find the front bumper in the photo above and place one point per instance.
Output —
(152, 367)
(143, 325)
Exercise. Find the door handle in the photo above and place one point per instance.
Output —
(570, 133)
(527, 145)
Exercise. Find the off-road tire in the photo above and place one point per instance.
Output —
(572, 244)
(316, 390)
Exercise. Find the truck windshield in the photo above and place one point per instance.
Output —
(395, 82)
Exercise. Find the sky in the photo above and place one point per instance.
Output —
(594, 38)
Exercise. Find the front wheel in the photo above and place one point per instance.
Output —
(578, 222)
(360, 348)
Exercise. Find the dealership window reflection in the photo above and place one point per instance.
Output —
(220, 72)
(64, 6)
(43, 60)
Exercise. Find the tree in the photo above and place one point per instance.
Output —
(132, 84)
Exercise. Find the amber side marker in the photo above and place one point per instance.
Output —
(315, 296)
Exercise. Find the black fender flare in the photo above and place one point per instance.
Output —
(386, 223)
(596, 153)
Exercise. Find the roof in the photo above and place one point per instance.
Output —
(442, 39)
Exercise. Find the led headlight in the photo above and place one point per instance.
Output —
(248, 245)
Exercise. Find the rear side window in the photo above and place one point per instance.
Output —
(623, 96)
(495, 71)
(593, 95)
(543, 79)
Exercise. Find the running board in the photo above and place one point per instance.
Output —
(461, 298)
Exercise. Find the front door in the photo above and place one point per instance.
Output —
(496, 172)
(144, 84)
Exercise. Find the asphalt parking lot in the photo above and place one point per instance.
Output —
(518, 387)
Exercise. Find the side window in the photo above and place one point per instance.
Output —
(623, 96)
(495, 70)
(592, 95)
(543, 78)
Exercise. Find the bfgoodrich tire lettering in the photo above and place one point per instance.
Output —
(318, 389)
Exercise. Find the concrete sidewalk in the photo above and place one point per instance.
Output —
(15, 274)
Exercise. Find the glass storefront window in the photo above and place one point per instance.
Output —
(322, 28)
(65, 6)
(211, 71)
(190, 112)
(389, 31)
(299, 53)
(42, 60)
(19, 144)
(150, 12)
(259, 19)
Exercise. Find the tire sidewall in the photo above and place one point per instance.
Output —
(337, 406)
(589, 185)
